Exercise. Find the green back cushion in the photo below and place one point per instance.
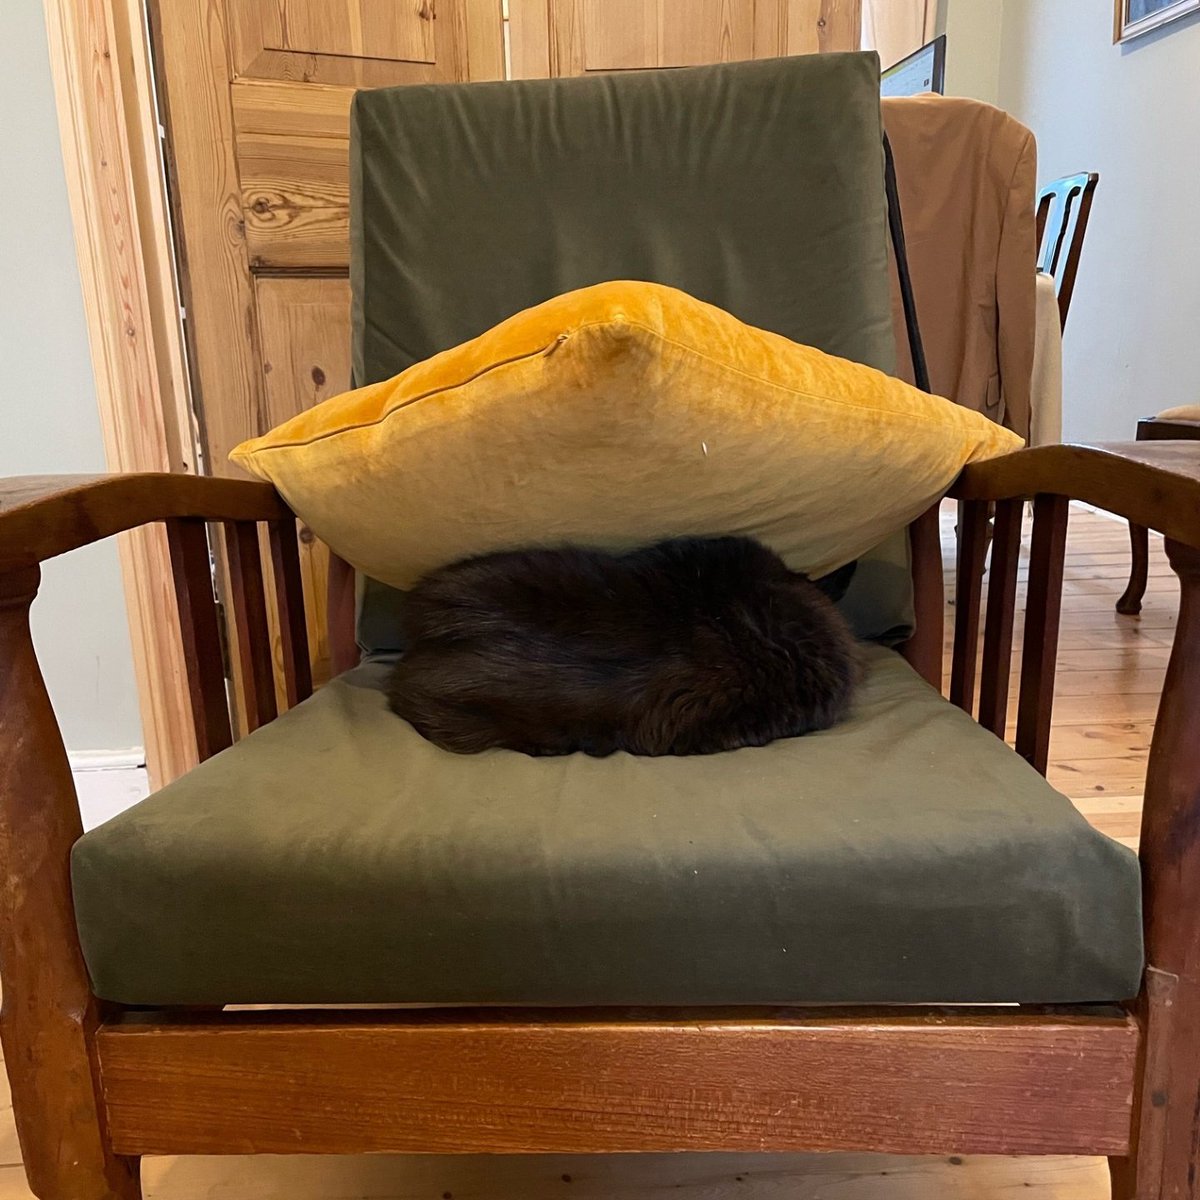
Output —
(756, 186)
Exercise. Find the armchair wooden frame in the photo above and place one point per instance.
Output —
(96, 1086)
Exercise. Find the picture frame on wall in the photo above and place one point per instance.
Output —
(1132, 18)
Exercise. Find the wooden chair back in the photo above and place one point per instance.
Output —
(1064, 207)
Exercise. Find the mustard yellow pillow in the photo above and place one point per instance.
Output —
(613, 416)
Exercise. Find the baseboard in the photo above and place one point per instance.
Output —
(107, 760)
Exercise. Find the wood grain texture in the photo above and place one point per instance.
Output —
(839, 25)
(705, 1176)
(1156, 484)
(49, 1017)
(1039, 657)
(628, 1177)
(296, 197)
(304, 326)
(529, 39)
(1138, 1175)
(603, 1082)
(361, 43)
(1001, 611)
(819, 26)
(355, 28)
(770, 26)
(481, 30)
(253, 640)
(636, 34)
(973, 530)
(292, 125)
(192, 566)
(45, 515)
(288, 584)
(109, 136)
(279, 109)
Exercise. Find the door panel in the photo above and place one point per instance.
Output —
(633, 34)
(822, 26)
(574, 37)
(304, 331)
(400, 29)
(348, 41)
(295, 196)
(292, 146)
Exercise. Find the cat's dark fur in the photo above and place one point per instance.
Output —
(691, 646)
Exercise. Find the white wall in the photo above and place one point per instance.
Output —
(48, 418)
(1132, 344)
(973, 30)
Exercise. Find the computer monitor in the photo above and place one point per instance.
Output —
(922, 71)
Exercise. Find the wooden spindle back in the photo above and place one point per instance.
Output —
(263, 682)
(1043, 602)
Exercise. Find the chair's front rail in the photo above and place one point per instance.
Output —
(902, 1081)
(94, 1087)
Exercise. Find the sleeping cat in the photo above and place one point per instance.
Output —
(690, 646)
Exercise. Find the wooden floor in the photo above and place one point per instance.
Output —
(1110, 672)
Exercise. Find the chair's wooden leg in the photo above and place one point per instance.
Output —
(1130, 602)
(923, 650)
(1165, 1159)
(49, 1014)
(1039, 648)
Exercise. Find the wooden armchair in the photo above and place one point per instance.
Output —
(97, 1085)
(524, 905)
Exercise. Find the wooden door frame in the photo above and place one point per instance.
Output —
(108, 124)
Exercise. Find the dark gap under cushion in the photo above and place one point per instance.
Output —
(334, 856)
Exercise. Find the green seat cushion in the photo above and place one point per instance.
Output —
(334, 856)
(756, 186)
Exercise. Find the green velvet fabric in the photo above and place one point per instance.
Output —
(335, 857)
(757, 187)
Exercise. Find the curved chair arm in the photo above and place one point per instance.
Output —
(42, 516)
(1156, 484)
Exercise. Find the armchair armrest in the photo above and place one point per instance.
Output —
(42, 516)
(1156, 484)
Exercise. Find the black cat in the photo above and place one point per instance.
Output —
(690, 646)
